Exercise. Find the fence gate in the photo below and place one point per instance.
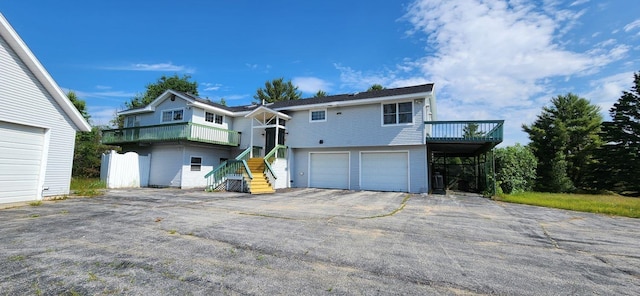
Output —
(128, 170)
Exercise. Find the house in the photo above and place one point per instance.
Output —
(384, 140)
(38, 125)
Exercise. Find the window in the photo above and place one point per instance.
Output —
(172, 115)
(211, 117)
(132, 121)
(196, 164)
(318, 115)
(397, 113)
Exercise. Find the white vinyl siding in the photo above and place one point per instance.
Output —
(329, 170)
(25, 101)
(21, 153)
(384, 171)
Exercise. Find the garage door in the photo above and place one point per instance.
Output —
(329, 170)
(166, 167)
(384, 171)
(20, 158)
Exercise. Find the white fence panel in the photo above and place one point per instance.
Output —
(127, 170)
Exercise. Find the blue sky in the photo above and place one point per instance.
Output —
(489, 59)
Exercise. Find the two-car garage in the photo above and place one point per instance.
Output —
(375, 170)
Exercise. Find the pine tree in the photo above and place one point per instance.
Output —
(563, 139)
(618, 158)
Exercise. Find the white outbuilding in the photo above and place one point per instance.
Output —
(38, 124)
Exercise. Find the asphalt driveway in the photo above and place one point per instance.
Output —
(312, 242)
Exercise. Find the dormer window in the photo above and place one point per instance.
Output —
(212, 117)
(397, 113)
(172, 115)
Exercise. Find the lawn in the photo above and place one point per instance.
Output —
(87, 186)
(601, 204)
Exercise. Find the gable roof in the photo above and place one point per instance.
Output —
(189, 98)
(415, 91)
(29, 59)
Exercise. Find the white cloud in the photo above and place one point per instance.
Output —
(103, 87)
(606, 91)
(101, 115)
(633, 25)
(498, 53)
(311, 84)
(211, 86)
(359, 80)
(579, 2)
(165, 67)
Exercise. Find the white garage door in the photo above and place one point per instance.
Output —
(329, 170)
(166, 167)
(384, 171)
(20, 158)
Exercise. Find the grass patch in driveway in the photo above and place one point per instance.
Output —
(591, 203)
(87, 186)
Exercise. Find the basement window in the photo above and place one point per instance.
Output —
(196, 163)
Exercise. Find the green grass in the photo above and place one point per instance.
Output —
(87, 186)
(35, 203)
(602, 204)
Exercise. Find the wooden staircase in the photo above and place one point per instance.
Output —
(259, 184)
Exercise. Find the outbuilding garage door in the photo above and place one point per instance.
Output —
(329, 170)
(384, 171)
(21, 149)
(166, 167)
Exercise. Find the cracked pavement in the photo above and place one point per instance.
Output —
(312, 242)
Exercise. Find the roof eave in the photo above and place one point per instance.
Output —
(357, 102)
(22, 50)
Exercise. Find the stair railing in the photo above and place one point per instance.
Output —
(231, 169)
(279, 151)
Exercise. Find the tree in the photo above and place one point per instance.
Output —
(222, 102)
(471, 130)
(564, 138)
(376, 87)
(81, 105)
(88, 147)
(515, 168)
(277, 90)
(320, 94)
(181, 84)
(618, 166)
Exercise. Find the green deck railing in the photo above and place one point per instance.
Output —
(171, 132)
(465, 131)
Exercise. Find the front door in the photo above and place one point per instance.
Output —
(270, 138)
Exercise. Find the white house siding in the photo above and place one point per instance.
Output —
(199, 118)
(210, 159)
(24, 100)
(418, 165)
(354, 126)
(243, 125)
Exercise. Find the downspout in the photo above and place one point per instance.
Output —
(251, 140)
